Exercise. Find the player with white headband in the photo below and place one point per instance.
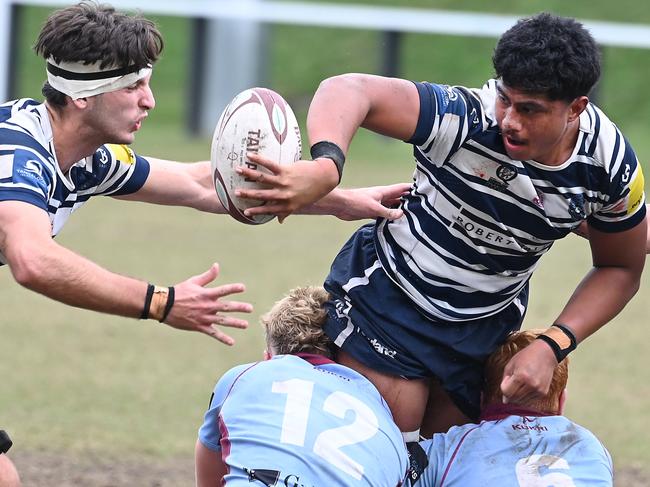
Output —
(79, 80)
(57, 154)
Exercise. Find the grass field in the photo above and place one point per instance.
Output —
(79, 382)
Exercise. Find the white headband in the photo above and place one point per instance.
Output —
(78, 80)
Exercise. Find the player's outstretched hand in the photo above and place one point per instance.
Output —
(200, 308)
(291, 186)
(360, 203)
(527, 376)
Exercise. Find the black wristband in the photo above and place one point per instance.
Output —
(560, 346)
(169, 304)
(330, 150)
(5, 442)
(147, 302)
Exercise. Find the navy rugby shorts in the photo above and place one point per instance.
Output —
(374, 321)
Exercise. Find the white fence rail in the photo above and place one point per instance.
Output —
(329, 15)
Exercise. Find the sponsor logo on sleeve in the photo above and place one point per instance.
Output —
(122, 153)
(27, 169)
(635, 198)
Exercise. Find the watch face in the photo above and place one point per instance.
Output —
(5, 442)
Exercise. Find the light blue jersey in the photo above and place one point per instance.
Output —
(476, 222)
(29, 171)
(517, 449)
(303, 421)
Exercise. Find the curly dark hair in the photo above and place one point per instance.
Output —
(89, 32)
(550, 55)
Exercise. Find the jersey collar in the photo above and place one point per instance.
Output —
(315, 359)
(494, 412)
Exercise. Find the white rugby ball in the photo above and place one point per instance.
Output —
(257, 120)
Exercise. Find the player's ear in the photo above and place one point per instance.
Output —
(562, 401)
(267, 355)
(80, 103)
(577, 107)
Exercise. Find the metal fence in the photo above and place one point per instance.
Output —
(230, 30)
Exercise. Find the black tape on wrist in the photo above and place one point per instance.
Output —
(561, 345)
(169, 304)
(147, 302)
(330, 150)
(5, 442)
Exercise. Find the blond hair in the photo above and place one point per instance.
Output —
(496, 363)
(295, 323)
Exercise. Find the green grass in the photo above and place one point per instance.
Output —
(74, 380)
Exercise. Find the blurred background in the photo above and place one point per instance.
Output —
(93, 399)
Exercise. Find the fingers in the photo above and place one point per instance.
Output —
(269, 164)
(234, 307)
(259, 194)
(393, 214)
(395, 191)
(226, 290)
(217, 334)
(273, 208)
(254, 174)
(207, 277)
(230, 321)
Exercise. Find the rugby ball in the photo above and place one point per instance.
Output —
(257, 120)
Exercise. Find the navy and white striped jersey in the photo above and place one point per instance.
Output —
(476, 222)
(29, 171)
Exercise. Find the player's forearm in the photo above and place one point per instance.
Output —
(179, 184)
(333, 203)
(64, 276)
(601, 295)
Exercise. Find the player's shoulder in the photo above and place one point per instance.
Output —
(12, 108)
(602, 140)
(24, 122)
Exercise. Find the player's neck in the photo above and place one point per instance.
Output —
(71, 140)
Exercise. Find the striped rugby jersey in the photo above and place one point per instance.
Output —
(30, 173)
(476, 222)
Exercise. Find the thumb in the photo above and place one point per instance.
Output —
(208, 276)
(392, 213)
(506, 388)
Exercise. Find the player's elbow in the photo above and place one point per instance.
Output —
(26, 268)
(349, 82)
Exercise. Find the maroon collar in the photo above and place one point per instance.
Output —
(494, 412)
(315, 359)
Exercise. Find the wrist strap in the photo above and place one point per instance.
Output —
(147, 302)
(330, 150)
(561, 340)
(158, 303)
(5, 442)
(170, 302)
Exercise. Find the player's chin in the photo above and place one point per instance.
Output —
(125, 138)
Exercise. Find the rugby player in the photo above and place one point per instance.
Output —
(56, 155)
(528, 443)
(298, 418)
(501, 172)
